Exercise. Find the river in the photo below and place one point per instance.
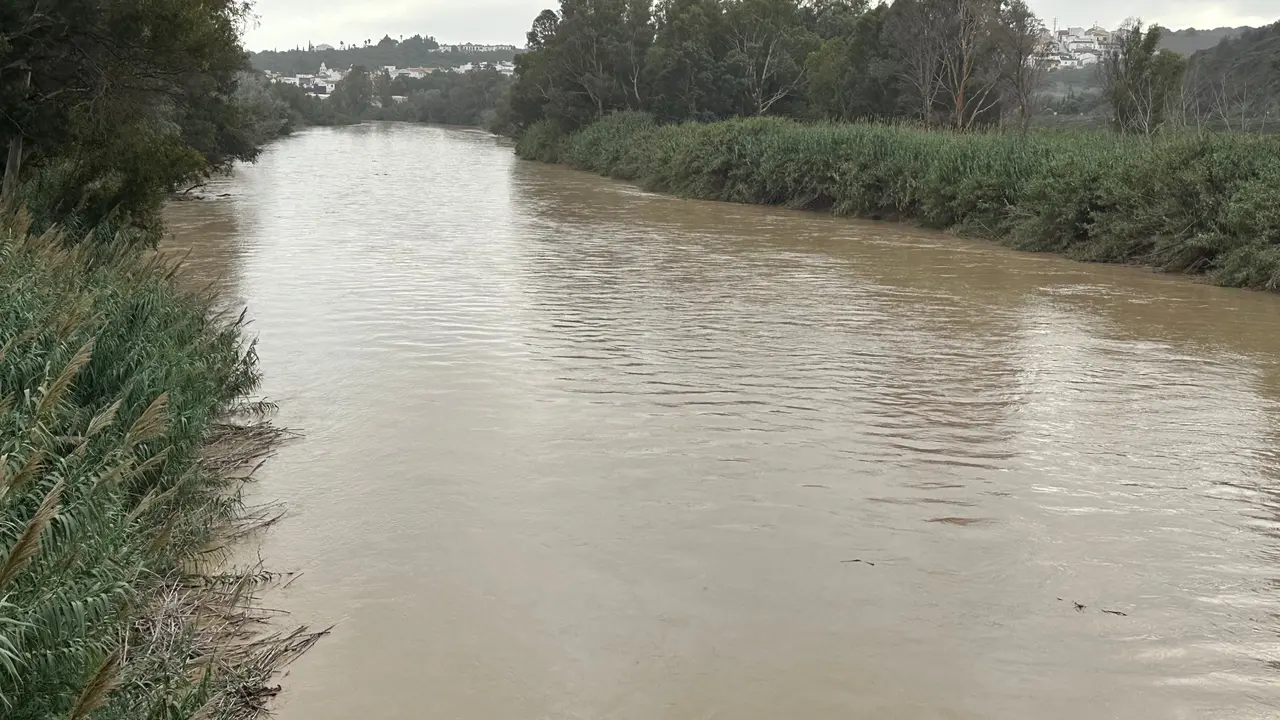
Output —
(574, 450)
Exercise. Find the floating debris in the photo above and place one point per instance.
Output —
(958, 520)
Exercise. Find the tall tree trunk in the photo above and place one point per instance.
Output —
(14, 162)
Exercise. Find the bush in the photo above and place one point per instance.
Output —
(1204, 204)
(540, 141)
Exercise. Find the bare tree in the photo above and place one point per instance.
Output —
(769, 48)
(638, 30)
(969, 73)
(919, 28)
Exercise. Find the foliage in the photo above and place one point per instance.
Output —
(449, 98)
(1201, 204)
(353, 95)
(303, 108)
(1017, 38)
(851, 75)
(1140, 81)
(112, 383)
(108, 106)
(957, 62)
(541, 141)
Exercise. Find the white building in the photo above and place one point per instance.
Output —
(475, 48)
(1075, 47)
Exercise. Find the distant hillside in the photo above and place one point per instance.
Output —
(1237, 82)
(1191, 41)
(416, 51)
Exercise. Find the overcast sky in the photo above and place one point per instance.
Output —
(282, 24)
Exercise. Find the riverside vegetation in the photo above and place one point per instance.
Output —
(921, 110)
(1203, 204)
(125, 425)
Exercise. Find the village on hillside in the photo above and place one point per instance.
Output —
(326, 78)
(1074, 47)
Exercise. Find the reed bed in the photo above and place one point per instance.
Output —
(1204, 204)
(120, 464)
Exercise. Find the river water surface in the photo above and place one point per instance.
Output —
(574, 450)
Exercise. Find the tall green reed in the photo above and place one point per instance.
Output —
(113, 382)
(1200, 204)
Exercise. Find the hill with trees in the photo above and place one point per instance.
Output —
(1235, 85)
(416, 51)
(1191, 40)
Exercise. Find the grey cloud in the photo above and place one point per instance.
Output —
(286, 23)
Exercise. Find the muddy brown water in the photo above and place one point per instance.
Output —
(574, 450)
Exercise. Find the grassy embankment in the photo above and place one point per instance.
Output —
(1207, 204)
(117, 464)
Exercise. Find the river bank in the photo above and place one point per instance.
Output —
(124, 438)
(1201, 205)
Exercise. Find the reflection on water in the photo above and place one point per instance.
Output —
(578, 451)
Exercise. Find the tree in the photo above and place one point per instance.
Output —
(382, 88)
(637, 39)
(1140, 80)
(588, 50)
(830, 19)
(969, 73)
(686, 63)
(1017, 41)
(115, 103)
(767, 50)
(354, 92)
(583, 62)
(851, 76)
(919, 30)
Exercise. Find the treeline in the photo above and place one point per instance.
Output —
(415, 51)
(114, 383)
(447, 98)
(1182, 202)
(961, 64)
(954, 63)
